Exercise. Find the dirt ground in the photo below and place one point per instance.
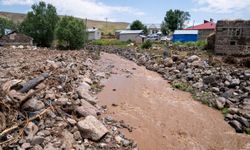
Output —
(163, 118)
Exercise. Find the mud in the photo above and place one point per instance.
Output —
(162, 117)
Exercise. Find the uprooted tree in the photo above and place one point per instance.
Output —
(71, 33)
(40, 24)
(173, 20)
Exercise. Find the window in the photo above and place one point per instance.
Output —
(232, 43)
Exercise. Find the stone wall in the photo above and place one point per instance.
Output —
(233, 37)
(203, 34)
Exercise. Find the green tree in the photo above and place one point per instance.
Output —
(40, 24)
(6, 24)
(137, 25)
(71, 33)
(174, 19)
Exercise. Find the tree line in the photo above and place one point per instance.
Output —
(45, 26)
(173, 20)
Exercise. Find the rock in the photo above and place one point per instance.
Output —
(82, 88)
(168, 62)
(197, 64)
(86, 96)
(37, 140)
(80, 147)
(215, 89)
(2, 122)
(62, 101)
(247, 73)
(38, 147)
(193, 58)
(235, 82)
(50, 146)
(233, 110)
(210, 80)
(219, 105)
(243, 121)
(236, 125)
(71, 121)
(30, 130)
(26, 145)
(77, 136)
(68, 139)
(181, 66)
(86, 109)
(198, 85)
(33, 105)
(91, 128)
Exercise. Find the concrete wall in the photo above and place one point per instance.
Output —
(129, 36)
(203, 34)
(233, 37)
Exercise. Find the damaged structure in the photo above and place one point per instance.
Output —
(15, 38)
(232, 37)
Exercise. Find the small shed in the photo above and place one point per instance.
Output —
(185, 36)
(140, 39)
(15, 38)
(94, 34)
(126, 35)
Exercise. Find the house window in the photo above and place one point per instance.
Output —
(232, 43)
(234, 32)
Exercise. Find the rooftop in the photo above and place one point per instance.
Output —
(204, 26)
(186, 32)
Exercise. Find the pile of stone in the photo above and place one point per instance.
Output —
(225, 87)
(47, 101)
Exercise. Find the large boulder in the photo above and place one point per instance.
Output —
(33, 105)
(91, 128)
(193, 58)
(86, 109)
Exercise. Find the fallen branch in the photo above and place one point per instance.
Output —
(18, 125)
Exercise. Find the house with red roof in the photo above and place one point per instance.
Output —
(204, 29)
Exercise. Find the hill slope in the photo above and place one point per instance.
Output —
(108, 27)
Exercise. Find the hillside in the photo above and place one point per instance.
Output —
(110, 27)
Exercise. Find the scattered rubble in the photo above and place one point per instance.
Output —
(47, 101)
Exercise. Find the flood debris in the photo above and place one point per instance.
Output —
(47, 101)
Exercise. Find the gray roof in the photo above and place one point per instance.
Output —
(186, 32)
(153, 26)
(131, 31)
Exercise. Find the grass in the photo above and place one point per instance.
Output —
(247, 130)
(225, 111)
(109, 42)
(199, 44)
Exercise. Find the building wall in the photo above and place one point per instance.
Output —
(203, 34)
(129, 36)
(233, 37)
(94, 35)
(185, 37)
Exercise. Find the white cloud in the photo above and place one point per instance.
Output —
(92, 9)
(222, 6)
(16, 2)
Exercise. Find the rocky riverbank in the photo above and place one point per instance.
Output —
(225, 87)
(47, 101)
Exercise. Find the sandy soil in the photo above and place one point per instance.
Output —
(163, 118)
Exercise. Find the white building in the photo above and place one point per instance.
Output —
(94, 34)
(154, 28)
(126, 35)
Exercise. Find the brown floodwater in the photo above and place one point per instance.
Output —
(163, 118)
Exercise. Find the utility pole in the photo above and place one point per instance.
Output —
(106, 23)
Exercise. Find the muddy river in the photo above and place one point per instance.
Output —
(163, 118)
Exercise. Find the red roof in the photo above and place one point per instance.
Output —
(208, 25)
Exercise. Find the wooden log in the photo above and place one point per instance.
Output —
(33, 82)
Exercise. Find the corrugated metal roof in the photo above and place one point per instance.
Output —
(186, 32)
(131, 31)
(92, 30)
(204, 26)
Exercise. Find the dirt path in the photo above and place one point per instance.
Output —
(163, 118)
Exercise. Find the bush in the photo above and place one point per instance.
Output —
(40, 24)
(146, 45)
(199, 44)
(71, 33)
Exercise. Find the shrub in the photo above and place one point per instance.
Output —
(146, 45)
(71, 33)
(6, 24)
(106, 42)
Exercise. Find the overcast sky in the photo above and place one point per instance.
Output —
(148, 11)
